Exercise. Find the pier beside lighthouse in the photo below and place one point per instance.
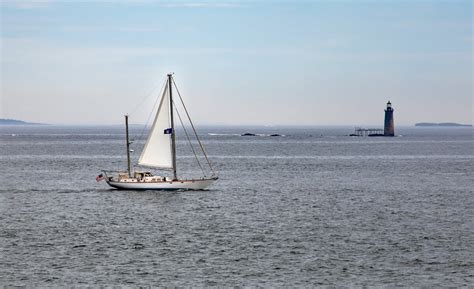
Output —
(389, 125)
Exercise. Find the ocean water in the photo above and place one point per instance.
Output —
(312, 207)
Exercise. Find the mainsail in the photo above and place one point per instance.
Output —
(158, 151)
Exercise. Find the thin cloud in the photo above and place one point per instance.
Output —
(27, 4)
(179, 4)
(201, 5)
(140, 29)
(119, 28)
(79, 28)
(38, 4)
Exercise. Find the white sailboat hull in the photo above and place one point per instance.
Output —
(193, 184)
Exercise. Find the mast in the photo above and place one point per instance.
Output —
(173, 137)
(129, 169)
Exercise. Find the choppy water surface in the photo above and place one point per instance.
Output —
(314, 207)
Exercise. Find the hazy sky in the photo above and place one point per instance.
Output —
(238, 62)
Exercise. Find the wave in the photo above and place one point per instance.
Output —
(340, 157)
(350, 157)
(57, 191)
(51, 156)
(238, 134)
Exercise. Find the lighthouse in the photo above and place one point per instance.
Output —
(389, 128)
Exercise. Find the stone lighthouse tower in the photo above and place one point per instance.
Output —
(389, 128)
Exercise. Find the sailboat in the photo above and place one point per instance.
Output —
(159, 152)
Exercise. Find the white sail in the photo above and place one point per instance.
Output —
(157, 151)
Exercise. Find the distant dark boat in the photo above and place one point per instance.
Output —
(248, 134)
(376, 134)
(275, 134)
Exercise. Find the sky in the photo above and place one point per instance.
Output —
(238, 62)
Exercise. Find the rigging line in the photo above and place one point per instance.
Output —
(149, 116)
(143, 99)
(192, 125)
(189, 140)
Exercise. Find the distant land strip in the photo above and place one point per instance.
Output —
(6, 121)
(449, 124)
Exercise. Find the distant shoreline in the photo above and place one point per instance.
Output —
(15, 122)
(6, 121)
(443, 124)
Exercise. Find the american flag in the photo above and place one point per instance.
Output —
(99, 178)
